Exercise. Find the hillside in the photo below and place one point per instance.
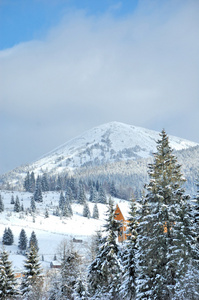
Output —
(50, 231)
(113, 146)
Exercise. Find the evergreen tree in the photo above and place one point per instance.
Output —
(69, 271)
(38, 191)
(32, 182)
(31, 283)
(32, 204)
(8, 237)
(22, 240)
(102, 196)
(27, 182)
(165, 237)
(7, 279)
(44, 183)
(81, 195)
(128, 288)
(104, 272)
(113, 191)
(80, 292)
(17, 205)
(12, 201)
(69, 194)
(61, 201)
(93, 194)
(95, 212)
(33, 241)
(1, 204)
(46, 213)
(68, 205)
(86, 210)
(59, 184)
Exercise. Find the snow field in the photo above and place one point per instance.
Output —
(50, 232)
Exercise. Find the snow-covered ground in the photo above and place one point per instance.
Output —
(51, 231)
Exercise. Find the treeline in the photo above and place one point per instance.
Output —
(75, 188)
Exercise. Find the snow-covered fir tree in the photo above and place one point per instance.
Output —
(86, 210)
(32, 204)
(17, 206)
(8, 237)
(12, 201)
(46, 213)
(95, 212)
(81, 195)
(27, 182)
(44, 182)
(102, 195)
(38, 191)
(61, 200)
(33, 242)
(128, 287)
(104, 273)
(80, 292)
(32, 281)
(1, 204)
(8, 288)
(22, 240)
(93, 194)
(70, 268)
(69, 194)
(165, 238)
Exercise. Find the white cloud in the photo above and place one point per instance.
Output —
(142, 70)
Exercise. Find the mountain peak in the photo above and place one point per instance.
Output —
(106, 143)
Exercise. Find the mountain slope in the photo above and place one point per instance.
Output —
(109, 143)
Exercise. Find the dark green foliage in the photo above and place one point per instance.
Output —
(104, 272)
(32, 182)
(7, 279)
(22, 240)
(86, 210)
(44, 183)
(27, 182)
(93, 194)
(70, 269)
(33, 243)
(38, 191)
(61, 201)
(1, 204)
(95, 212)
(69, 194)
(32, 204)
(31, 280)
(12, 201)
(102, 196)
(17, 206)
(165, 233)
(46, 213)
(81, 195)
(8, 237)
(128, 256)
(80, 292)
(113, 191)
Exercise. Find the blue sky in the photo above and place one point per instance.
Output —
(67, 66)
(22, 20)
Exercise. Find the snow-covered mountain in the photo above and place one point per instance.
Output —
(105, 144)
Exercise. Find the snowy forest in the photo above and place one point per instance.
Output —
(159, 260)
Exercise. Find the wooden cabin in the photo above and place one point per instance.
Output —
(122, 235)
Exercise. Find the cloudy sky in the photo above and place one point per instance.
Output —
(69, 65)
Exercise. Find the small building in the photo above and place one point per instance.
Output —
(55, 264)
(122, 235)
